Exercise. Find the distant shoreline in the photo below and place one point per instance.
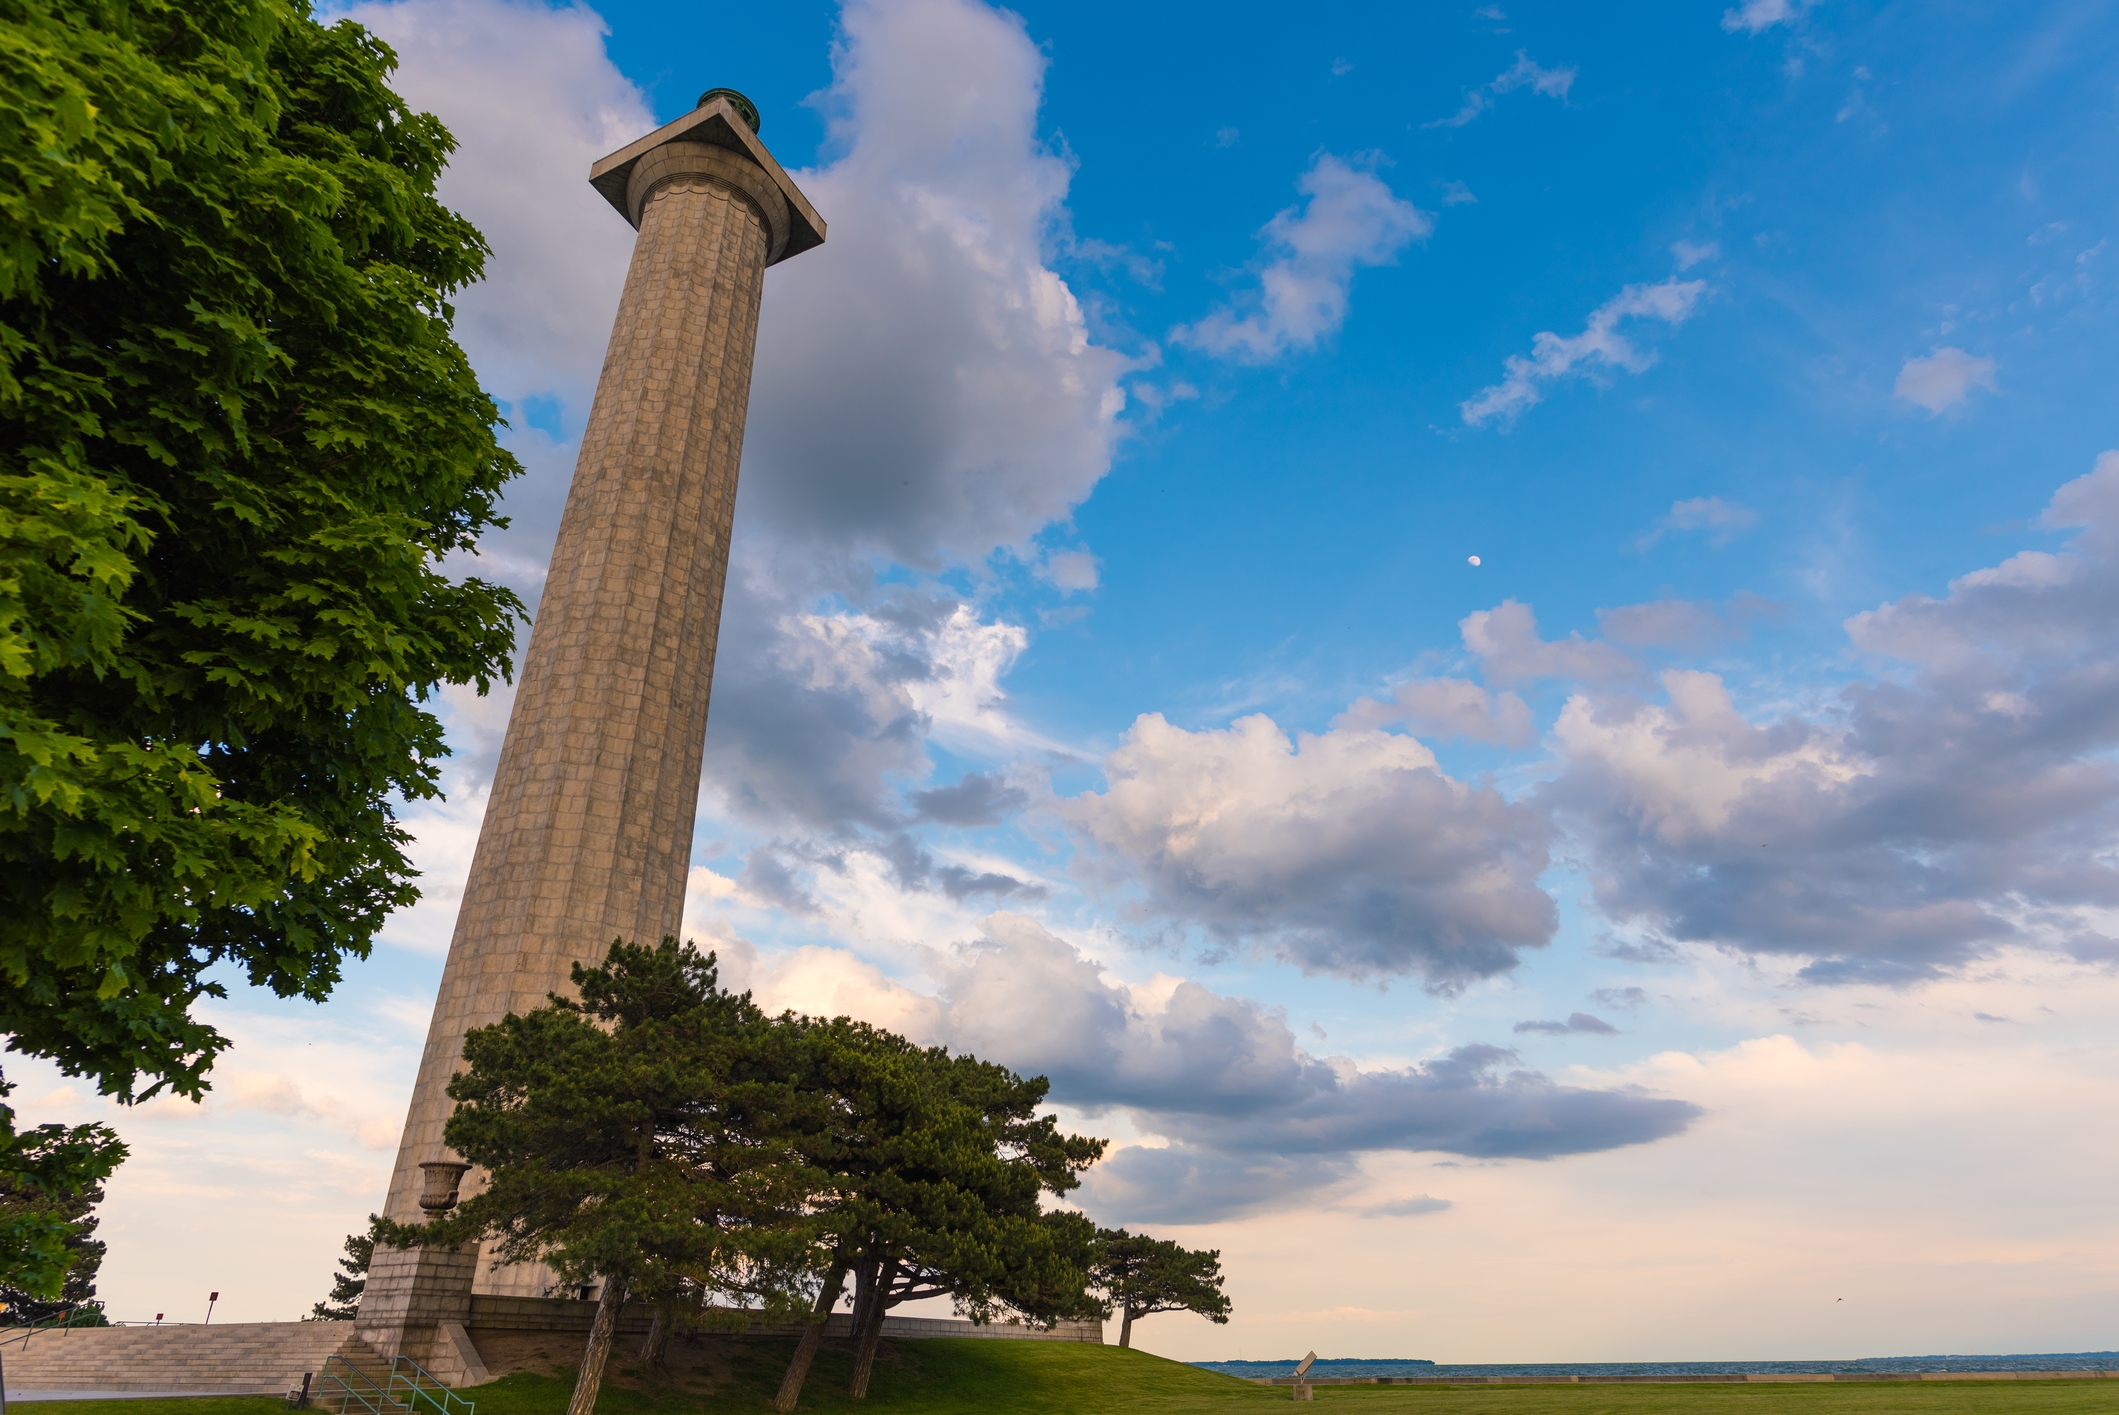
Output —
(1879, 1365)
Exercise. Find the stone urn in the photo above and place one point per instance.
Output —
(438, 1194)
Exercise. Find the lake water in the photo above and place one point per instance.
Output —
(2063, 1361)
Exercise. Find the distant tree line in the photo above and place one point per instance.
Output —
(669, 1141)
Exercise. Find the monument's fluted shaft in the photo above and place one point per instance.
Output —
(589, 827)
(588, 831)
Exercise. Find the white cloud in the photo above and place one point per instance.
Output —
(967, 405)
(1691, 625)
(1348, 852)
(1411, 1207)
(1723, 521)
(1526, 72)
(1599, 345)
(1446, 708)
(1689, 254)
(927, 389)
(1074, 571)
(1943, 379)
(532, 100)
(818, 717)
(1505, 639)
(1351, 220)
(1755, 16)
(1913, 824)
(1249, 1119)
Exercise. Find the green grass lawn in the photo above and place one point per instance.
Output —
(1057, 1378)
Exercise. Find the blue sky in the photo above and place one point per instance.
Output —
(1105, 685)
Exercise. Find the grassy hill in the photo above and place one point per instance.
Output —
(720, 1376)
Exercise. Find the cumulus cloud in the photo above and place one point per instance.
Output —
(532, 100)
(1526, 72)
(1690, 625)
(1447, 708)
(1755, 16)
(1943, 379)
(1628, 998)
(926, 387)
(1599, 346)
(1247, 1118)
(1723, 521)
(539, 321)
(1961, 803)
(965, 405)
(1351, 220)
(1505, 640)
(819, 718)
(1346, 852)
(1577, 1024)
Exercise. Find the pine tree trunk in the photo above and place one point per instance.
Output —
(864, 1364)
(657, 1345)
(1125, 1329)
(864, 1291)
(590, 1381)
(812, 1338)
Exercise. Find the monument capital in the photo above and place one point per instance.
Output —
(716, 123)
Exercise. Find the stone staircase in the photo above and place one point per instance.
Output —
(270, 1358)
(251, 1358)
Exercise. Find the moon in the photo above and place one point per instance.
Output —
(1471, 560)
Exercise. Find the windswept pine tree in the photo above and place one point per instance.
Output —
(935, 1168)
(1141, 1276)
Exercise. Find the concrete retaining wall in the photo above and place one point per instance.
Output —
(563, 1314)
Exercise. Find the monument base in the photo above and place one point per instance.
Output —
(412, 1294)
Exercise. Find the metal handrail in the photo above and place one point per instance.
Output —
(406, 1390)
(64, 1321)
(344, 1380)
(407, 1374)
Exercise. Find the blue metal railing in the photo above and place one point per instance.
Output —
(408, 1389)
(422, 1389)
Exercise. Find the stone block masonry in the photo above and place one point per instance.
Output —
(588, 831)
(270, 1358)
(253, 1358)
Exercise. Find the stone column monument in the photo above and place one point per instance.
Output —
(588, 832)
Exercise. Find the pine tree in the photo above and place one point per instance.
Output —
(351, 1280)
(936, 1165)
(636, 1138)
(1141, 1276)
